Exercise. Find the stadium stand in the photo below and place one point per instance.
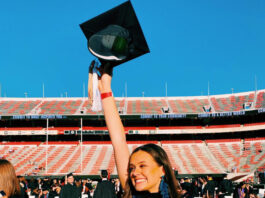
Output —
(260, 102)
(17, 106)
(135, 106)
(186, 156)
(231, 102)
(60, 107)
(146, 105)
(238, 155)
(188, 105)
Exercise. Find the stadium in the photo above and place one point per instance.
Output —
(215, 134)
(59, 145)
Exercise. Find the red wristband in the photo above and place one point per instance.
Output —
(105, 95)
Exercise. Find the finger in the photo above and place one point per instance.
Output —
(91, 67)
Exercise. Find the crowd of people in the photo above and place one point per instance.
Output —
(72, 186)
(208, 187)
(69, 186)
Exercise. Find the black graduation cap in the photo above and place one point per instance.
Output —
(115, 36)
(69, 175)
(104, 173)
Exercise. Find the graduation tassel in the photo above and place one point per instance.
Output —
(96, 104)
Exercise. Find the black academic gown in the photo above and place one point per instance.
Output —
(105, 189)
(226, 187)
(70, 191)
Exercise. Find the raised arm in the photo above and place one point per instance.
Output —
(116, 129)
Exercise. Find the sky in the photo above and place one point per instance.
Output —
(196, 46)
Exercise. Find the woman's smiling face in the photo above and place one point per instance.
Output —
(145, 173)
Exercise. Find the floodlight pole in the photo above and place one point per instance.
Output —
(81, 145)
(47, 129)
(125, 86)
(256, 85)
(84, 92)
(166, 88)
(43, 90)
(208, 88)
(125, 97)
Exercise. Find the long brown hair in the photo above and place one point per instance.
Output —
(161, 158)
(8, 179)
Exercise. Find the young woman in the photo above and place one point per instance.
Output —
(9, 185)
(147, 172)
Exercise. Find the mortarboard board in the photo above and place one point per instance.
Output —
(115, 36)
